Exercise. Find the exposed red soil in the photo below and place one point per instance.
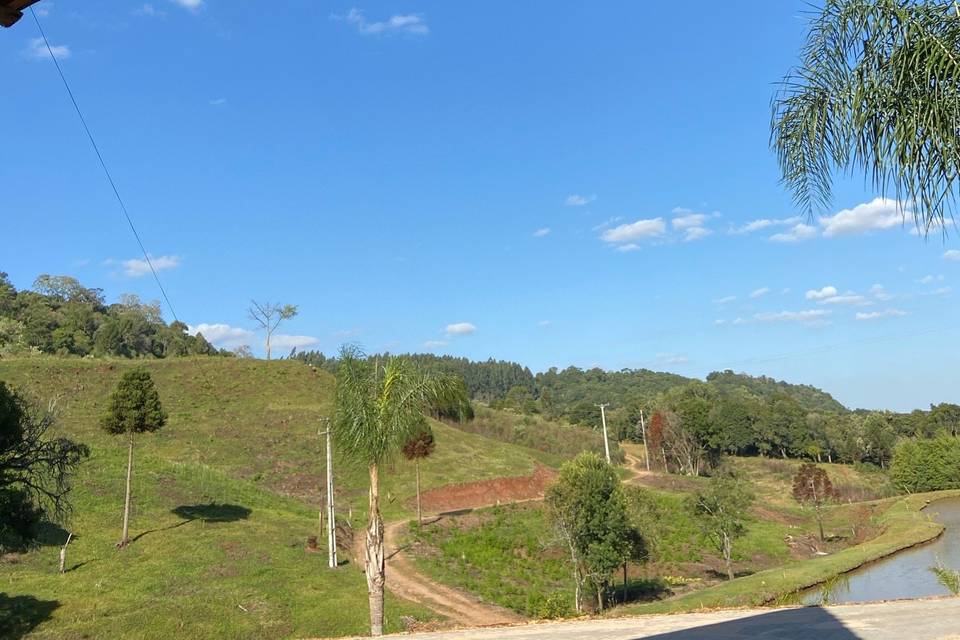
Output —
(483, 493)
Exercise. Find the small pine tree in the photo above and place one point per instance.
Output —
(420, 446)
(812, 486)
(134, 407)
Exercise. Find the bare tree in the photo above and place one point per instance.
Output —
(269, 316)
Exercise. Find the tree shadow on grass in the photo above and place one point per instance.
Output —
(212, 512)
(209, 513)
(19, 615)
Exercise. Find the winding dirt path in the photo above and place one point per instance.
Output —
(460, 608)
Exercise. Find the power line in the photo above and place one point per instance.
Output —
(113, 185)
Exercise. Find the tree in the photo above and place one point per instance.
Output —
(721, 511)
(35, 470)
(417, 448)
(134, 407)
(269, 316)
(380, 406)
(812, 486)
(589, 510)
(878, 91)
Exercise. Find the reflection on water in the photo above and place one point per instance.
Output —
(904, 575)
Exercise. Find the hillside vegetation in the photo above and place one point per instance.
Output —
(224, 498)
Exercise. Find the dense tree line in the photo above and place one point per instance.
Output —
(61, 316)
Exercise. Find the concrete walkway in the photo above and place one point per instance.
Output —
(931, 619)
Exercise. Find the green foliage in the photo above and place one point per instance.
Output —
(588, 508)
(134, 405)
(927, 465)
(877, 91)
(32, 463)
(722, 512)
(62, 316)
(949, 578)
(808, 397)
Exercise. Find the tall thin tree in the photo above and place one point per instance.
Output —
(877, 91)
(269, 316)
(379, 407)
(417, 448)
(134, 407)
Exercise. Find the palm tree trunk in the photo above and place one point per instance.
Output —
(126, 501)
(419, 510)
(374, 561)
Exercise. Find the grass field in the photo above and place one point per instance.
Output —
(224, 498)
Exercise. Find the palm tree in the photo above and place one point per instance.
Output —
(877, 91)
(380, 406)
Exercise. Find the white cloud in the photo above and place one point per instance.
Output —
(543, 231)
(412, 24)
(460, 329)
(434, 344)
(764, 223)
(634, 231)
(796, 233)
(719, 321)
(725, 299)
(216, 102)
(626, 248)
(942, 291)
(222, 334)
(190, 5)
(135, 268)
(878, 214)
(951, 254)
(762, 291)
(849, 297)
(575, 200)
(812, 317)
(37, 50)
(283, 341)
(878, 292)
(688, 219)
(821, 294)
(930, 279)
(695, 233)
(672, 358)
(875, 315)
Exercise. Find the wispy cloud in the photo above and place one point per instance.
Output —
(544, 323)
(461, 329)
(634, 231)
(880, 293)
(284, 341)
(576, 200)
(757, 293)
(190, 5)
(672, 358)
(135, 267)
(216, 102)
(811, 317)
(725, 300)
(796, 233)
(821, 294)
(876, 315)
(37, 50)
(412, 24)
(930, 279)
(149, 10)
(951, 254)
(764, 223)
(434, 344)
(543, 231)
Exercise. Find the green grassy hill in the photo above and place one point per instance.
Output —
(224, 498)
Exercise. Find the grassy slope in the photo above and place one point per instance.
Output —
(252, 444)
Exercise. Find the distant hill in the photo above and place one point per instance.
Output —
(809, 397)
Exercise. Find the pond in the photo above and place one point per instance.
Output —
(903, 575)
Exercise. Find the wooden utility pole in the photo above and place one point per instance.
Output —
(331, 509)
(603, 419)
(643, 432)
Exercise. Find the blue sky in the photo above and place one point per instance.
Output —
(549, 183)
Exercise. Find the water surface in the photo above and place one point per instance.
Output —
(903, 575)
